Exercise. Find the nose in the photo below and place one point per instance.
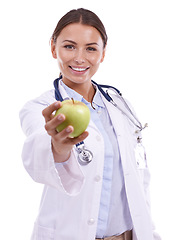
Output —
(79, 57)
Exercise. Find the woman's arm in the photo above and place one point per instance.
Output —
(40, 151)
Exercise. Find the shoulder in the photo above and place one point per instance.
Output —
(123, 106)
(46, 98)
(35, 106)
(43, 100)
(31, 113)
(121, 102)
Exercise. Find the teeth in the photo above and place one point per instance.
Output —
(79, 69)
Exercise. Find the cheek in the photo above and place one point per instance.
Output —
(96, 59)
(63, 56)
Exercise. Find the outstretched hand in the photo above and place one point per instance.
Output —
(62, 144)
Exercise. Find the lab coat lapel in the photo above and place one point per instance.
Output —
(116, 117)
(119, 124)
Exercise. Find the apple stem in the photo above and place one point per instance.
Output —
(73, 100)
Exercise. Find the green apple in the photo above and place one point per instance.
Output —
(77, 114)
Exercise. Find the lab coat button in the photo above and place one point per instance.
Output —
(97, 178)
(91, 221)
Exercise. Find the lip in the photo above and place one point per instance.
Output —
(79, 70)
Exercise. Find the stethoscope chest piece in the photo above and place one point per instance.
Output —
(84, 155)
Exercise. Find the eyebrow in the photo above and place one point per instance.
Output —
(88, 44)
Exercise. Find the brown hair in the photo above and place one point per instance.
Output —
(82, 16)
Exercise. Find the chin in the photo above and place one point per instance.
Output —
(76, 79)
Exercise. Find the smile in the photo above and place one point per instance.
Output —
(79, 69)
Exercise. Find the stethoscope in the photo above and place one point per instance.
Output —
(85, 156)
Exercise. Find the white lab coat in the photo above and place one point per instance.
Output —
(70, 201)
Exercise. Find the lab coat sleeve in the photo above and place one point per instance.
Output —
(37, 153)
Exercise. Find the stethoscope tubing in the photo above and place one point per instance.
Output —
(84, 155)
(107, 96)
(110, 99)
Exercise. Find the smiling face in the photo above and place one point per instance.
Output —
(79, 51)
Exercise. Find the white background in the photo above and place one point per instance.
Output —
(138, 62)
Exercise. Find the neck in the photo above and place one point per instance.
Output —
(87, 92)
(84, 89)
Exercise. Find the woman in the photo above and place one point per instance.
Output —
(109, 197)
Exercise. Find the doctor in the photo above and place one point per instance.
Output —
(109, 197)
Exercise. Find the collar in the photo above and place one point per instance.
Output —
(97, 100)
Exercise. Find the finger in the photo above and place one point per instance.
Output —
(64, 134)
(80, 138)
(47, 112)
(51, 125)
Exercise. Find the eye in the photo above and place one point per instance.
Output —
(91, 49)
(70, 47)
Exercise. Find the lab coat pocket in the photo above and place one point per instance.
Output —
(42, 233)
